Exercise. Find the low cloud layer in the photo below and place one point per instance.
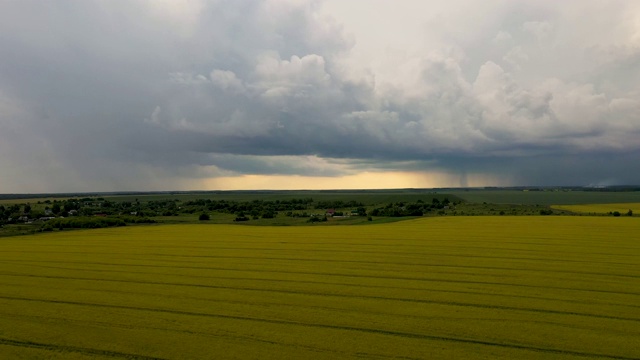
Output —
(172, 95)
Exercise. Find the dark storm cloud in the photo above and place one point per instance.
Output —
(112, 95)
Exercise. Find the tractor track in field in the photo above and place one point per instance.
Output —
(426, 265)
(75, 349)
(365, 286)
(471, 341)
(408, 253)
(226, 335)
(262, 303)
(419, 279)
(429, 249)
(312, 293)
(413, 243)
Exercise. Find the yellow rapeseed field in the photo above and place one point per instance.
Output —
(432, 288)
(622, 208)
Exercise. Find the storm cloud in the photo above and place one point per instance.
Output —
(134, 95)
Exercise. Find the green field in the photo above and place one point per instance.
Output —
(431, 288)
(550, 197)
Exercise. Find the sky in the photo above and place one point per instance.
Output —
(133, 95)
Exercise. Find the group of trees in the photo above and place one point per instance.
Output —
(418, 208)
(337, 204)
(90, 212)
(245, 210)
(10, 211)
(74, 213)
(617, 213)
(65, 208)
(93, 222)
(254, 209)
(250, 207)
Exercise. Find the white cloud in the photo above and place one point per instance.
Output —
(516, 56)
(155, 116)
(296, 72)
(540, 29)
(502, 36)
(227, 80)
(187, 78)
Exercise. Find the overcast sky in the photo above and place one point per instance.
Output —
(296, 94)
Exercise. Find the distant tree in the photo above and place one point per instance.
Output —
(416, 213)
(616, 213)
(36, 214)
(241, 217)
(630, 212)
(27, 208)
(68, 206)
(204, 216)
